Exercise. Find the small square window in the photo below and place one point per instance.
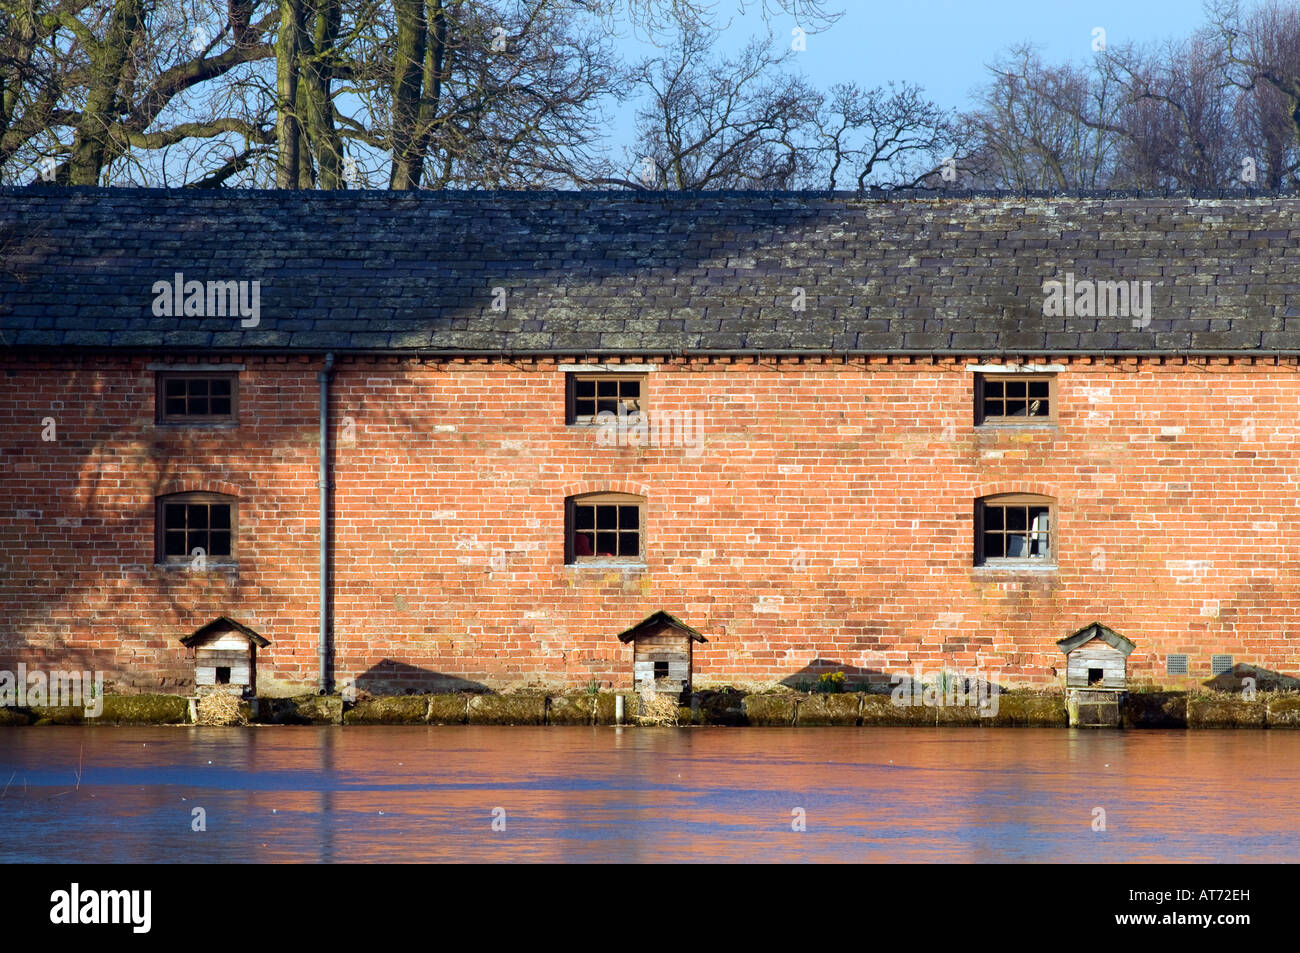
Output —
(195, 521)
(223, 675)
(604, 526)
(1014, 530)
(1015, 398)
(590, 395)
(661, 670)
(1176, 665)
(190, 398)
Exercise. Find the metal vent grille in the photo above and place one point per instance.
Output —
(1176, 665)
(1220, 664)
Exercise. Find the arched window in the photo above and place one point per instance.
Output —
(1015, 529)
(187, 522)
(604, 527)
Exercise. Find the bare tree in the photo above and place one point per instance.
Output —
(1046, 127)
(1177, 125)
(719, 121)
(888, 136)
(492, 94)
(1262, 51)
(87, 85)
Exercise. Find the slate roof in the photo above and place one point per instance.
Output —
(223, 624)
(641, 273)
(654, 621)
(1096, 631)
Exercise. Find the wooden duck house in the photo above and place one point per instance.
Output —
(662, 654)
(225, 657)
(1096, 675)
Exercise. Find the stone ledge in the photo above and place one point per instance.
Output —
(708, 708)
(507, 710)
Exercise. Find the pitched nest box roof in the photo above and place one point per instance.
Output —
(1096, 631)
(650, 623)
(219, 625)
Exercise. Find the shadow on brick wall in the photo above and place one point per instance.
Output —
(390, 677)
(1265, 680)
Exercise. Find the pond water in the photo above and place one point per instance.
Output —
(361, 794)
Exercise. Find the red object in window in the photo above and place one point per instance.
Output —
(582, 545)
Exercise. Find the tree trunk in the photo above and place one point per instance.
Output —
(109, 59)
(318, 109)
(288, 129)
(408, 75)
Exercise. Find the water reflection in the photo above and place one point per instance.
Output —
(592, 794)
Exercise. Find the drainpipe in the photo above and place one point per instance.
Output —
(324, 485)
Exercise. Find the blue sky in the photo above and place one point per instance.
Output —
(943, 45)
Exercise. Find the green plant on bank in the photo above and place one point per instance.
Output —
(830, 683)
(593, 687)
(944, 683)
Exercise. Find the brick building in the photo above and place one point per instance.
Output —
(841, 434)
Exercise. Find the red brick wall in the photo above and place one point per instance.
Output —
(826, 525)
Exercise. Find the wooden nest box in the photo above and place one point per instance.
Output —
(1096, 659)
(225, 657)
(662, 654)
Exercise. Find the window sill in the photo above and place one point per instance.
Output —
(1004, 568)
(607, 564)
(1004, 426)
(212, 566)
(202, 424)
(610, 422)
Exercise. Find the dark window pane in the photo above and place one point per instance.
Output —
(993, 517)
(174, 544)
(631, 388)
(198, 387)
(586, 517)
(220, 543)
(221, 388)
(992, 408)
(220, 517)
(196, 539)
(1015, 408)
(606, 544)
(607, 517)
(993, 388)
(629, 517)
(198, 515)
(1038, 388)
(221, 406)
(629, 544)
(174, 387)
(993, 545)
(607, 388)
(607, 406)
(584, 408)
(176, 407)
(174, 516)
(584, 388)
(1016, 548)
(198, 406)
(1038, 408)
(1016, 518)
(1016, 388)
